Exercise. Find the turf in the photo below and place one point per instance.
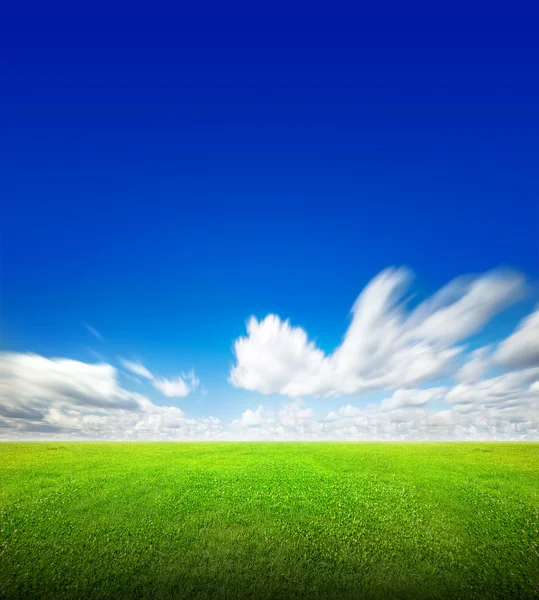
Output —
(257, 520)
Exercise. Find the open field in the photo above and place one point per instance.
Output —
(269, 520)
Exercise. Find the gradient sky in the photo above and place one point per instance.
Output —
(170, 169)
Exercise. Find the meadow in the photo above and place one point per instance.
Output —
(269, 520)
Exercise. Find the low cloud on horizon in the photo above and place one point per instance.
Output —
(493, 391)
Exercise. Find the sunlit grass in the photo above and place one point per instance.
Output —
(262, 520)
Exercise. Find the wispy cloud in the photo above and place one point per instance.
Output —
(137, 368)
(180, 387)
(177, 388)
(97, 355)
(94, 332)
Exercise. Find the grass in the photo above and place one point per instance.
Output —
(263, 520)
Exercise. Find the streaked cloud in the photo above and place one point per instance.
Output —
(94, 332)
(412, 398)
(521, 349)
(57, 396)
(137, 368)
(503, 391)
(31, 384)
(42, 398)
(180, 387)
(476, 365)
(386, 346)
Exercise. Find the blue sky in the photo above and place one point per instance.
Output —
(169, 170)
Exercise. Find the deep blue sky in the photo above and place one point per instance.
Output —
(169, 169)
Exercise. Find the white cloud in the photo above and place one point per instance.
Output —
(521, 349)
(293, 414)
(385, 346)
(43, 398)
(250, 418)
(476, 366)
(30, 382)
(137, 368)
(180, 387)
(404, 416)
(503, 391)
(412, 398)
(292, 421)
(177, 388)
(462, 307)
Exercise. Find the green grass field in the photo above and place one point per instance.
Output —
(269, 520)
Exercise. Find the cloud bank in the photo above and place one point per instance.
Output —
(40, 397)
(489, 393)
(62, 399)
